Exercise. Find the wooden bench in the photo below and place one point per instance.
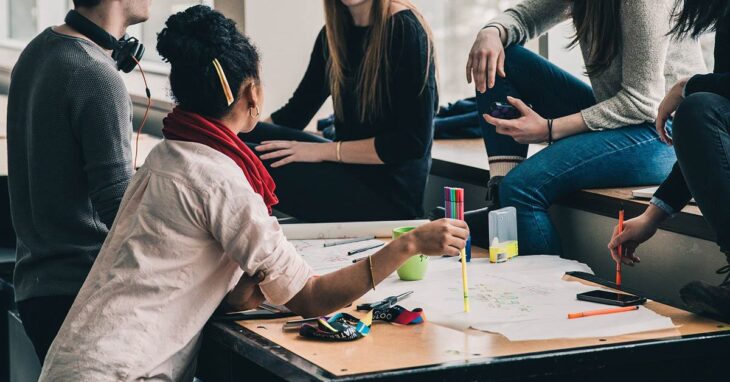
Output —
(466, 161)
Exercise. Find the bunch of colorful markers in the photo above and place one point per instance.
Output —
(454, 205)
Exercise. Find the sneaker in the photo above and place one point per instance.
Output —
(710, 300)
(493, 192)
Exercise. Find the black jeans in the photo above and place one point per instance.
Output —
(42, 318)
(701, 133)
(325, 192)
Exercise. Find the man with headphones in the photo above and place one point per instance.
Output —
(69, 154)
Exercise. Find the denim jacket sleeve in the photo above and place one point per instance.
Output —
(673, 193)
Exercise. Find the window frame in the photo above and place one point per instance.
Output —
(156, 72)
(7, 42)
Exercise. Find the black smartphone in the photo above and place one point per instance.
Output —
(611, 298)
(504, 111)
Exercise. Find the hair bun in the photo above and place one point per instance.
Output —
(190, 41)
(196, 36)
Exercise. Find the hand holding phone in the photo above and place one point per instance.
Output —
(504, 111)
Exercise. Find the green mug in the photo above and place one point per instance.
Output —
(414, 268)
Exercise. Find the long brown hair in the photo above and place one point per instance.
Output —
(372, 79)
(598, 24)
(694, 17)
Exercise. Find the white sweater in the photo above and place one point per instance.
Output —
(630, 90)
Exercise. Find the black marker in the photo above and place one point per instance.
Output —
(359, 250)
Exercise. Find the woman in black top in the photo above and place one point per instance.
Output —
(383, 84)
(700, 134)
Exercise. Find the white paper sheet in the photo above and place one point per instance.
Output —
(345, 230)
(522, 299)
(327, 259)
(642, 320)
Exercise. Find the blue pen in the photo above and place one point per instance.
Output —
(468, 249)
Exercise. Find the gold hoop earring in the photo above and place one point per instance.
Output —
(250, 111)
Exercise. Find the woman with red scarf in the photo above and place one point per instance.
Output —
(195, 225)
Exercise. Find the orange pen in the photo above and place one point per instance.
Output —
(602, 311)
(620, 247)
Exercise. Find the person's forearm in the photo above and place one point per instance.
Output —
(655, 215)
(356, 152)
(325, 294)
(496, 31)
(569, 125)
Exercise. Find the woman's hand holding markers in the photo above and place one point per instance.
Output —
(529, 128)
(440, 237)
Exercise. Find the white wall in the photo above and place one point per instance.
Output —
(570, 60)
(455, 24)
(284, 32)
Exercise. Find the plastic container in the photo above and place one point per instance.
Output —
(503, 234)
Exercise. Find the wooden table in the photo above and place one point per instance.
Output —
(261, 350)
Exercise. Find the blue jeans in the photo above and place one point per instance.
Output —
(623, 157)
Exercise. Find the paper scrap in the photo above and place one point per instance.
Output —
(641, 320)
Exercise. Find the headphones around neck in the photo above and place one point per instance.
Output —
(126, 51)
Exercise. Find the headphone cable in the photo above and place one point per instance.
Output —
(146, 112)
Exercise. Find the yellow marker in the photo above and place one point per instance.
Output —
(464, 281)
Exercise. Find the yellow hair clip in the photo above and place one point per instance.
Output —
(224, 82)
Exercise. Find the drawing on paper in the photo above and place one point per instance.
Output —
(327, 259)
(495, 298)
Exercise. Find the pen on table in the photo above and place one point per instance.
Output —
(348, 241)
(359, 250)
(620, 247)
(602, 311)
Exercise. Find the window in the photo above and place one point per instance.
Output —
(455, 24)
(147, 32)
(21, 20)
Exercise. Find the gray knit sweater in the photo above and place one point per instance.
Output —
(69, 160)
(630, 90)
